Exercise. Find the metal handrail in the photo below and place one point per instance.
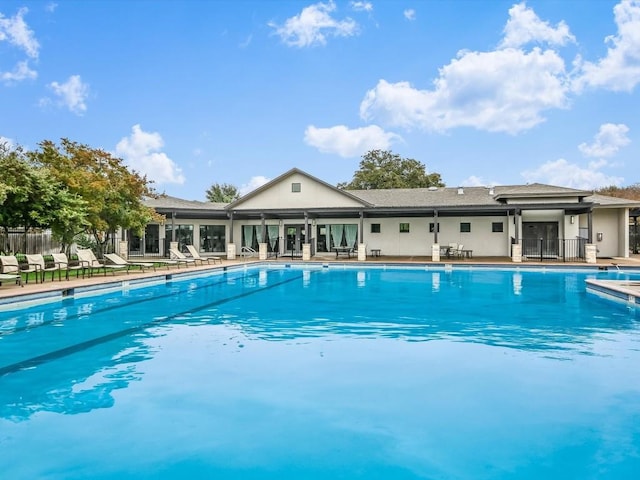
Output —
(247, 252)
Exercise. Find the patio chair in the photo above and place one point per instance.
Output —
(65, 264)
(10, 265)
(196, 256)
(41, 266)
(180, 257)
(89, 260)
(11, 276)
(116, 259)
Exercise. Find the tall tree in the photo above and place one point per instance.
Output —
(381, 169)
(222, 193)
(34, 198)
(113, 193)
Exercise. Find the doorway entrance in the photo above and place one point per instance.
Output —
(295, 236)
(540, 239)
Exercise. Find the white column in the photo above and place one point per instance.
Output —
(123, 249)
(262, 251)
(231, 251)
(306, 252)
(590, 253)
(362, 252)
(516, 253)
(435, 252)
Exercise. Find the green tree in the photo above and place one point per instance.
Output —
(113, 194)
(381, 169)
(222, 193)
(32, 197)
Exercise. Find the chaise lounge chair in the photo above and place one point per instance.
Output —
(196, 256)
(116, 259)
(180, 257)
(90, 262)
(11, 277)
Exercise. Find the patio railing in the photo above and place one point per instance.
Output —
(562, 249)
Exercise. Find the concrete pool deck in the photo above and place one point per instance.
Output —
(628, 291)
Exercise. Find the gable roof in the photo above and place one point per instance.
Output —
(289, 173)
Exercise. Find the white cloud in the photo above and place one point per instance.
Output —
(619, 70)
(72, 94)
(19, 73)
(15, 31)
(7, 142)
(313, 25)
(607, 141)
(246, 42)
(498, 91)
(348, 142)
(141, 150)
(362, 6)
(252, 184)
(410, 14)
(475, 181)
(562, 173)
(524, 26)
(51, 7)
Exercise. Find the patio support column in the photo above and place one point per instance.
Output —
(173, 226)
(590, 250)
(231, 247)
(362, 247)
(262, 242)
(590, 227)
(306, 246)
(436, 226)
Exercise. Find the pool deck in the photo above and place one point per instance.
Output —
(628, 291)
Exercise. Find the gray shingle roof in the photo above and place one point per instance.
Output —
(167, 202)
(425, 197)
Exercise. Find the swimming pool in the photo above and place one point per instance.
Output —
(312, 372)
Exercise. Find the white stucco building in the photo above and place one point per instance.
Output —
(297, 214)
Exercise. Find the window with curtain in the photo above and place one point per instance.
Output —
(272, 234)
(336, 232)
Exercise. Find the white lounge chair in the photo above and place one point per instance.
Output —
(90, 262)
(180, 257)
(37, 260)
(10, 265)
(63, 263)
(11, 277)
(196, 256)
(116, 259)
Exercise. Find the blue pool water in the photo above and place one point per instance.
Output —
(326, 373)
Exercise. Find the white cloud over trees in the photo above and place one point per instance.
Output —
(142, 151)
(71, 94)
(347, 142)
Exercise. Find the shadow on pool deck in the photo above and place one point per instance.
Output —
(10, 289)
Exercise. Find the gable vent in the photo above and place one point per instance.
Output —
(460, 191)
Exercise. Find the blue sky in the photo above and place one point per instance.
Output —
(193, 93)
